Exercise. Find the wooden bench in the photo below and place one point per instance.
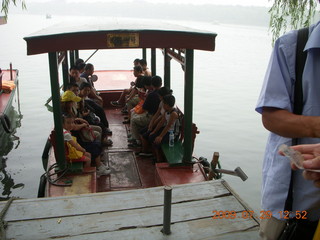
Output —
(174, 155)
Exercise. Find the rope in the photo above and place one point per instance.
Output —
(3, 224)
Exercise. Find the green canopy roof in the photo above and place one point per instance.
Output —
(118, 34)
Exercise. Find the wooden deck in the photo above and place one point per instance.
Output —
(132, 214)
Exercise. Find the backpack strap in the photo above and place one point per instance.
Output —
(301, 56)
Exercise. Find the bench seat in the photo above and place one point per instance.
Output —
(174, 155)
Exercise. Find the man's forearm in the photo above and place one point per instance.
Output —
(287, 124)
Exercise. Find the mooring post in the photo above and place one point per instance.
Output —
(167, 210)
(11, 72)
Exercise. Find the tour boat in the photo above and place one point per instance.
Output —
(127, 204)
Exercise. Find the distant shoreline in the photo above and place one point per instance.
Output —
(216, 14)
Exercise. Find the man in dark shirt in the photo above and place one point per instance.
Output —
(87, 74)
(150, 107)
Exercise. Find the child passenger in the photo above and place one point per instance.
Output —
(144, 133)
(168, 123)
(75, 152)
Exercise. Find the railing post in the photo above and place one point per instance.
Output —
(188, 106)
(153, 62)
(167, 210)
(167, 69)
(72, 58)
(144, 54)
(65, 72)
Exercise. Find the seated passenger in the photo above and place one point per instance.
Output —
(75, 76)
(142, 89)
(88, 104)
(75, 152)
(80, 65)
(145, 69)
(145, 132)
(69, 102)
(128, 94)
(87, 74)
(168, 123)
(136, 62)
(150, 107)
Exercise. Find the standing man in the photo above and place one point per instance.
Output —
(275, 104)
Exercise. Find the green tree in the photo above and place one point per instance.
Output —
(291, 13)
(6, 4)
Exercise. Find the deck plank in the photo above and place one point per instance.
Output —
(194, 230)
(180, 231)
(134, 218)
(109, 201)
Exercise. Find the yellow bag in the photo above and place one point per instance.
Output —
(316, 235)
(72, 152)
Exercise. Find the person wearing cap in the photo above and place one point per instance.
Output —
(68, 101)
(70, 96)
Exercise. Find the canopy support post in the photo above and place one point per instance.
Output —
(153, 61)
(188, 105)
(72, 58)
(144, 53)
(55, 92)
(167, 69)
(65, 72)
(76, 54)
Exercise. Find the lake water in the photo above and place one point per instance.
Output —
(226, 87)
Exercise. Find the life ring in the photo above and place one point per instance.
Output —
(5, 121)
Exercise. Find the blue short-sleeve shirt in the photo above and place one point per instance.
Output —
(277, 91)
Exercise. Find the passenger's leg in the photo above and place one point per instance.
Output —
(99, 111)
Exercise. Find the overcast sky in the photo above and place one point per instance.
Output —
(219, 2)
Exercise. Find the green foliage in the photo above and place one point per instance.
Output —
(6, 4)
(293, 13)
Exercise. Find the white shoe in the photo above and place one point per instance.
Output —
(103, 170)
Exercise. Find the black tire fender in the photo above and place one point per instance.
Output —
(5, 121)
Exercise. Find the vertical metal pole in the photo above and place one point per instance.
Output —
(65, 72)
(72, 60)
(54, 78)
(167, 210)
(188, 105)
(144, 53)
(11, 72)
(153, 62)
(76, 54)
(167, 69)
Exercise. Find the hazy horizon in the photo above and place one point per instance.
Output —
(260, 3)
(213, 13)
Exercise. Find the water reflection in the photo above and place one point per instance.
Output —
(9, 141)
(7, 182)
